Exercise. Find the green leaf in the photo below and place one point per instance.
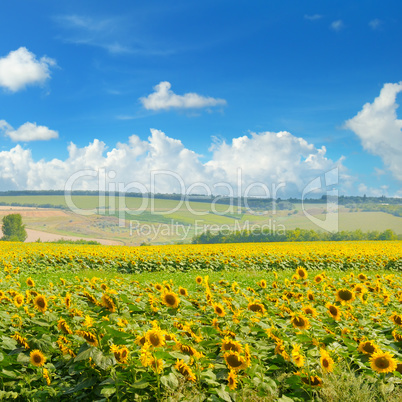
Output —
(21, 358)
(7, 395)
(108, 391)
(82, 385)
(285, 398)
(170, 381)
(223, 394)
(9, 373)
(140, 384)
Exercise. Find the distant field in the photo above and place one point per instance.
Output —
(165, 221)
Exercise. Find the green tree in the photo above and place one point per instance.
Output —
(13, 229)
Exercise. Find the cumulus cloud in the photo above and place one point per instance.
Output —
(164, 98)
(380, 130)
(337, 25)
(21, 68)
(375, 24)
(163, 164)
(28, 132)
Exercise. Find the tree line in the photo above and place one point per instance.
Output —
(296, 235)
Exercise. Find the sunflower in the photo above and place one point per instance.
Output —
(301, 273)
(140, 340)
(262, 283)
(158, 287)
(345, 296)
(46, 376)
(40, 303)
(37, 358)
(21, 340)
(219, 310)
(300, 322)
(89, 337)
(18, 300)
(30, 282)
(235, 287)
(383, 362)
(156, 364)
(189, 350)
(309, 310)
(67, 300)
(368, 347)
(230, 344)
(396, 319)
(183, 291)
(199, 280)
(108, 302)
(256, 307)
(170, 299)
(399, 368)
(234, 360)
(397, 336)
(362, 277)
(16, 321)
(232, 380)
(310, 295)
(326, 361)
(313, 381)
(318, 278)
(360, 289)
(155, 337)
(298, 359)
(334, 311)
(185, 370)
(63, 326)
(121, 353)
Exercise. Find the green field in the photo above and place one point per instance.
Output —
(132, 221)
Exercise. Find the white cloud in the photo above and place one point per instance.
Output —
(164, 98)
(28, 132)
(21, 68)
(375, 24)
(379, 129)
(337, 25)
(313, 17)
(269, 158)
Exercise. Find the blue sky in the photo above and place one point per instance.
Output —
(216, 81)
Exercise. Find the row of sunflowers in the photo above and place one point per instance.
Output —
(119, 339)
(376, 255)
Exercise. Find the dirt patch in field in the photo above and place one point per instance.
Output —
(31, 212)
(34, 235)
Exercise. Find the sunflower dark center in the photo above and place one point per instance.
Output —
(299, 321)
(170, 299)
(154, 338)
(345, 295)
(37, 358)
(382, 362)
(333, 310)
(255, 307)
(234, 361)
(398, 320)
(369, 348)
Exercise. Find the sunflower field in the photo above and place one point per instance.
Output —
(299, 320)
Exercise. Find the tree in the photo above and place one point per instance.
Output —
(13, 229)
